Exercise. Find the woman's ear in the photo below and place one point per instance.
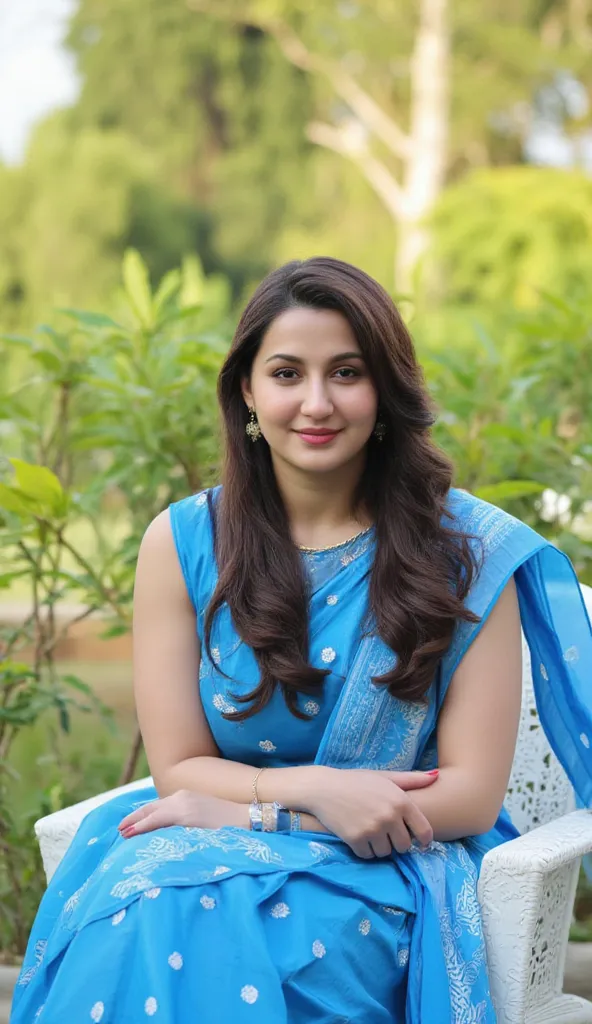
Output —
(246, 391)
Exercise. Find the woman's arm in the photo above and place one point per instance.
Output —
(180, 748)
(477, 728)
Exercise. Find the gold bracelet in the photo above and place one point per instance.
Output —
(256, 799)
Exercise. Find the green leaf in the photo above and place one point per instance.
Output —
(78, 684)
(17, 339)
(48, 360)
(88, 319)
(169, 285)
(40, 484)
(64, 717)
(11, 500)
(119, 630)
(137, 287)
(508, 490)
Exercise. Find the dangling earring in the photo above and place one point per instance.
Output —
(379, 430)
(252, 428)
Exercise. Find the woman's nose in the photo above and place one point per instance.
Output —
(317, 403)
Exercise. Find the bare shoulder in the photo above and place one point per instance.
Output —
(158, 562)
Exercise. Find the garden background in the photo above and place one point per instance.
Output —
(449, 155)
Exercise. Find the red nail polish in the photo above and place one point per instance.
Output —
(435, 771)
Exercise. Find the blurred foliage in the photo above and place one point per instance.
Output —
(510, 234)
(189, 136)
(107, 414)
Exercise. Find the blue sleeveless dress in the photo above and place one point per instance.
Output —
(217, 926)
(188, 924)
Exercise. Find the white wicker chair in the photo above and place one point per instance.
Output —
(526, 887)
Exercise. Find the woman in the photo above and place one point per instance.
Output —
(323, 802)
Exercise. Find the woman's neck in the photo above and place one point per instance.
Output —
(320, 507)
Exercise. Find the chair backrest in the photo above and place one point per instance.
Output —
(539, 790)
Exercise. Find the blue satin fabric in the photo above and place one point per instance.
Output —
(189, 924)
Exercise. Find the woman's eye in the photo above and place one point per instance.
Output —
(285, 374)
(347, 372)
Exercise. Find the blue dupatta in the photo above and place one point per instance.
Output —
(370, 729)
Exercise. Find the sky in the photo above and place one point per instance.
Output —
(36, 74)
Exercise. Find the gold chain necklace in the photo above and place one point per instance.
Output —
(332, 547)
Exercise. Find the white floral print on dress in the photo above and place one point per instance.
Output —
(403, 957)
(267, 746)
(118, 917)
(208, 902)
(39, 1012)
(150, 1006)
(93, 840)
(97, 1012)
(544, 672)
(332, 599)
(175, 961)
(221, 870)
(216, 655)
(584, 739)
(571, 654)
(249, 994)
(280, 910)
(201, 499)
(318, 949)
(152, 894)
(364, 926)
(312, 708)
(221, 704)
(328, 655)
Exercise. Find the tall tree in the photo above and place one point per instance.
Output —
(441, 90)
(419, 151)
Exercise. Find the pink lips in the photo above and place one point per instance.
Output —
(318, 437)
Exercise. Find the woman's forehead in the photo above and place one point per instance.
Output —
(309, 334)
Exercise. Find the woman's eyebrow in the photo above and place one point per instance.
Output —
(334, 359)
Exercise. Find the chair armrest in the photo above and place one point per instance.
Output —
(56, 831)
(526, 890)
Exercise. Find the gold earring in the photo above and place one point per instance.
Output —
(252, 428)
(379, 430)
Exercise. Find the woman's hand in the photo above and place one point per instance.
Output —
(370, 810)
(193, 810)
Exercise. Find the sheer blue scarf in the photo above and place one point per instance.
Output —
(369, 729)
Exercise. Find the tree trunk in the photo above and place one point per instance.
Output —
(426, 164)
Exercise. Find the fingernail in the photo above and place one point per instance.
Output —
(435, 771)
(129, 831)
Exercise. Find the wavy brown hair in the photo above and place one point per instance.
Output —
(422, 569)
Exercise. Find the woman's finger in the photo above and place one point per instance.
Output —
(362, 849)
(413, 780)
(400, 837)
(418, 825)
(381, 845)
(139, 814)
(157, 819)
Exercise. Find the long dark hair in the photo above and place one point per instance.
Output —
(422, 570)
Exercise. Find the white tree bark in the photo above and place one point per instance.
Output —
(408, 192)
(425, 167)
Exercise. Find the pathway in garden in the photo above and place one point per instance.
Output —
(578, 976)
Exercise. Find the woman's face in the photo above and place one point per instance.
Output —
(315, 400)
